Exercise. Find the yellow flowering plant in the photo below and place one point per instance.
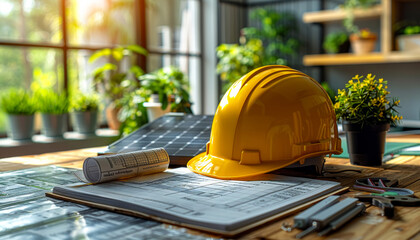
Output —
(365, 102)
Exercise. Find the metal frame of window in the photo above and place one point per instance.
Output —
(141, 39)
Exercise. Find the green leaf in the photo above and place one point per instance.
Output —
(99, 53)
(137, 49)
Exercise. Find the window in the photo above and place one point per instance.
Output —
(174, 38)
(51, 39)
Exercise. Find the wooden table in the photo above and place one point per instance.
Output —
(405, 225)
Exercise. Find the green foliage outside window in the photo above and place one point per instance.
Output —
(111, 78)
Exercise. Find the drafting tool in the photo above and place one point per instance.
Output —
(381, 185)
(326, 216)
(387, 202)
(340, 221)
(303, 219)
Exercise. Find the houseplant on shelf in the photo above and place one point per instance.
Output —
(118, 75)
(336, 42)
(20, 109)
(408, 38)
(84, 112)
(366, 113)
(53, 108)
(363, 42)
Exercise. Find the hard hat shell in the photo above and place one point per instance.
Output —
(270, 118)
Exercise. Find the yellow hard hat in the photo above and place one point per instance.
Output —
(270, 118)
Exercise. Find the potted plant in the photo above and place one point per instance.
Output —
(409, 39)
(116, 77)
(53, 108)
(20, 109)
(336, 42)
(168, 86)
(167, 90)
(363, 41)
(367, 113)
(84, 112)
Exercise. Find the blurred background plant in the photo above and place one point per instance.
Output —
(117, 76)
(169, 83)
(349, 6)
(17, 101)
(80, 102)
(277, 31)
(48, 101)
(172, 87)
(271, 43)
(336, 42)
(235, 60)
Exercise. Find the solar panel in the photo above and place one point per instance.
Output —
(182, 136)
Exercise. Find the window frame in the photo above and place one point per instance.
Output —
(140, 39)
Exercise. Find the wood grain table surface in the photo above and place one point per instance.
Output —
(405, 225)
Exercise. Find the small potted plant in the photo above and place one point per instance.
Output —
(363, 41)
(167, 90)
(336, 42)
(20, 109)
(84, 112)
(366, 113)
(409, 39)
(53, 108)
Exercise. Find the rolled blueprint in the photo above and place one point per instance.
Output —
(125, 165)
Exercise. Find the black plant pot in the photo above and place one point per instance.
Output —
(344, 47)
(365, 145)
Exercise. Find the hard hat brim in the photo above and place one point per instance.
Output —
(216, 167)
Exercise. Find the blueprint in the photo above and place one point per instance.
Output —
(25, 212)
(182, 196)
(124, 165)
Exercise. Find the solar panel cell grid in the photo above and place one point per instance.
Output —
(182, 136)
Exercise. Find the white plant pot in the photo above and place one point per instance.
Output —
(154, 110)
(408, 42)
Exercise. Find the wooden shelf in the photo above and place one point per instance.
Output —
(340, 14)
(353, 59)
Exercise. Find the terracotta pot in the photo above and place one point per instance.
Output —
(362, 45)
(111, 113)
